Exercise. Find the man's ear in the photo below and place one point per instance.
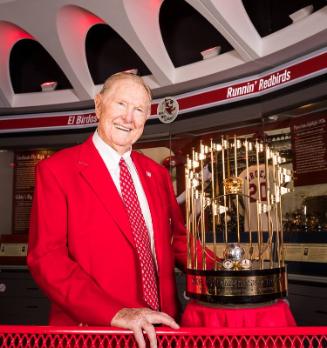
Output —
(98, 105)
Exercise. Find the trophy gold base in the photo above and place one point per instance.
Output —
(237, 286)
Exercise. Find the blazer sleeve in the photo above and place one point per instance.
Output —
(56, 273)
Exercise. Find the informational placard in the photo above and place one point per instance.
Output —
(309, 145)
(309, 252)
(13, 249)
(24, 179)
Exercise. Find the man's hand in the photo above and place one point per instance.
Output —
(142, 319)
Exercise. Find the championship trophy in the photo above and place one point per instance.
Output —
(234, 223)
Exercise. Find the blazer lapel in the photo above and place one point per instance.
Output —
(94, 171)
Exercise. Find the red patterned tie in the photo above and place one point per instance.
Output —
(141, 237)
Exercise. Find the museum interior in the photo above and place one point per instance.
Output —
(230, 82)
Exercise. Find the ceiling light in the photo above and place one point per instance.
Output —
(305, 106)
(300, 14)
(211, 52)
(49, 86)
(273, 117)
(131, 71)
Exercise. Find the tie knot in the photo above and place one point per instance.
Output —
(122, 162)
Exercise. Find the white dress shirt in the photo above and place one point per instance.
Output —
(111, 159)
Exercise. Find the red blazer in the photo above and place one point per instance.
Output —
(81, 251)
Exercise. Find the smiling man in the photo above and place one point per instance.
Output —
(106, 230)
(122, 108)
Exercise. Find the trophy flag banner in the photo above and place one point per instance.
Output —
(289, 74)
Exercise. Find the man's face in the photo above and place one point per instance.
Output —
(122, 111)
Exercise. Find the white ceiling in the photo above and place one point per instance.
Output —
(61, 26)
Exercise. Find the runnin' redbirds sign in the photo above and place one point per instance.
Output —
(278, 78)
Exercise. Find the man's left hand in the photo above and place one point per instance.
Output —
(142, 319)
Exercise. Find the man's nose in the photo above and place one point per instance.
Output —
(128, 115)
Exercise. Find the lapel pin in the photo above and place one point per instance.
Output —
(148, 174)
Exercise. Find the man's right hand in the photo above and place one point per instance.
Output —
(142, 319)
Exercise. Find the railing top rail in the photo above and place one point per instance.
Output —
(184, 331)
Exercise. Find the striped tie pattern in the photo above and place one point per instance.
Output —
(141, 237)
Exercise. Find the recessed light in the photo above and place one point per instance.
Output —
(49, 86)
(302, 13)
(131, 71)
(211, 52)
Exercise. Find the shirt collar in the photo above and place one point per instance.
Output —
(108, 154)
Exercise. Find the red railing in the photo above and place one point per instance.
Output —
(68, 337)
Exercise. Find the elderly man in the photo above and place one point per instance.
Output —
(106, 230)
